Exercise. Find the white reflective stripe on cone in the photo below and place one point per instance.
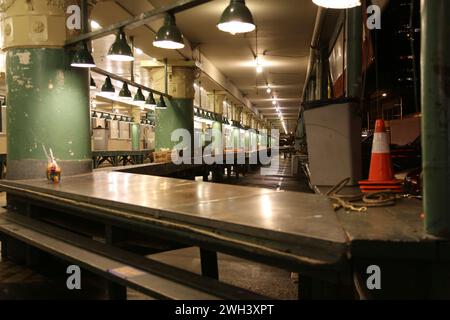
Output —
(380, 143)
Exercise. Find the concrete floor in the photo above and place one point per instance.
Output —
(17, 282)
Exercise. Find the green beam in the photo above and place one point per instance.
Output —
(354, 51)
(435, 69)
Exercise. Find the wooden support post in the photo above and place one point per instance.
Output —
(206, 176)
(305, 288)
(4, 248)
(209, 263)
(115, 291)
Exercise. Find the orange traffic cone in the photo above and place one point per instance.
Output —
(381, 175)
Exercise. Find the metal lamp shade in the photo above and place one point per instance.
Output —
(338, 4)
(125, 92)
(108, 87)
(83, 58)
(169, 36)
(161, 104)
(236, 18)
(120, 50)
(151, 100)
(139, 97)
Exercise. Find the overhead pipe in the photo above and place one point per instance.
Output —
(435, 69)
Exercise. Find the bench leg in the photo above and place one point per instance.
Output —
(208, 260)
(217, 174)
(4, 248)
(305, 288)
(311, 288)
(115, 291)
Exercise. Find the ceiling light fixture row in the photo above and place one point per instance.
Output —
(139, 97)
(236, 18)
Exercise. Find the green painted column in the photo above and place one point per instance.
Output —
(435, 64)
(48, 101)
(354, 51)
(217, 126)
(136, 130)
(179, 113)
(236, 137)
(48, 105)
(135, 136)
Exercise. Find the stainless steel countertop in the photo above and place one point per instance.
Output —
(243, 209)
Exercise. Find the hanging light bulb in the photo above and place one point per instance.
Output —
(236, 18)
(120, 49)
(83, 58)
(107, 87)
(169, 36)
(269, 89)
(125, 92)
(337, 4)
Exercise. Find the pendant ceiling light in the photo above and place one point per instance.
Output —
(125, 92)
(338, 4)
(120, 49)
(82, 58)
(169, 36)
(236, 18)
(161, 104)
(108, 87)
(139, 97)
(151, 100)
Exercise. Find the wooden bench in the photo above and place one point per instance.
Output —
(126, 269)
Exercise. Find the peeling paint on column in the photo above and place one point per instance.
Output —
(24, 57)
(48, 105)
